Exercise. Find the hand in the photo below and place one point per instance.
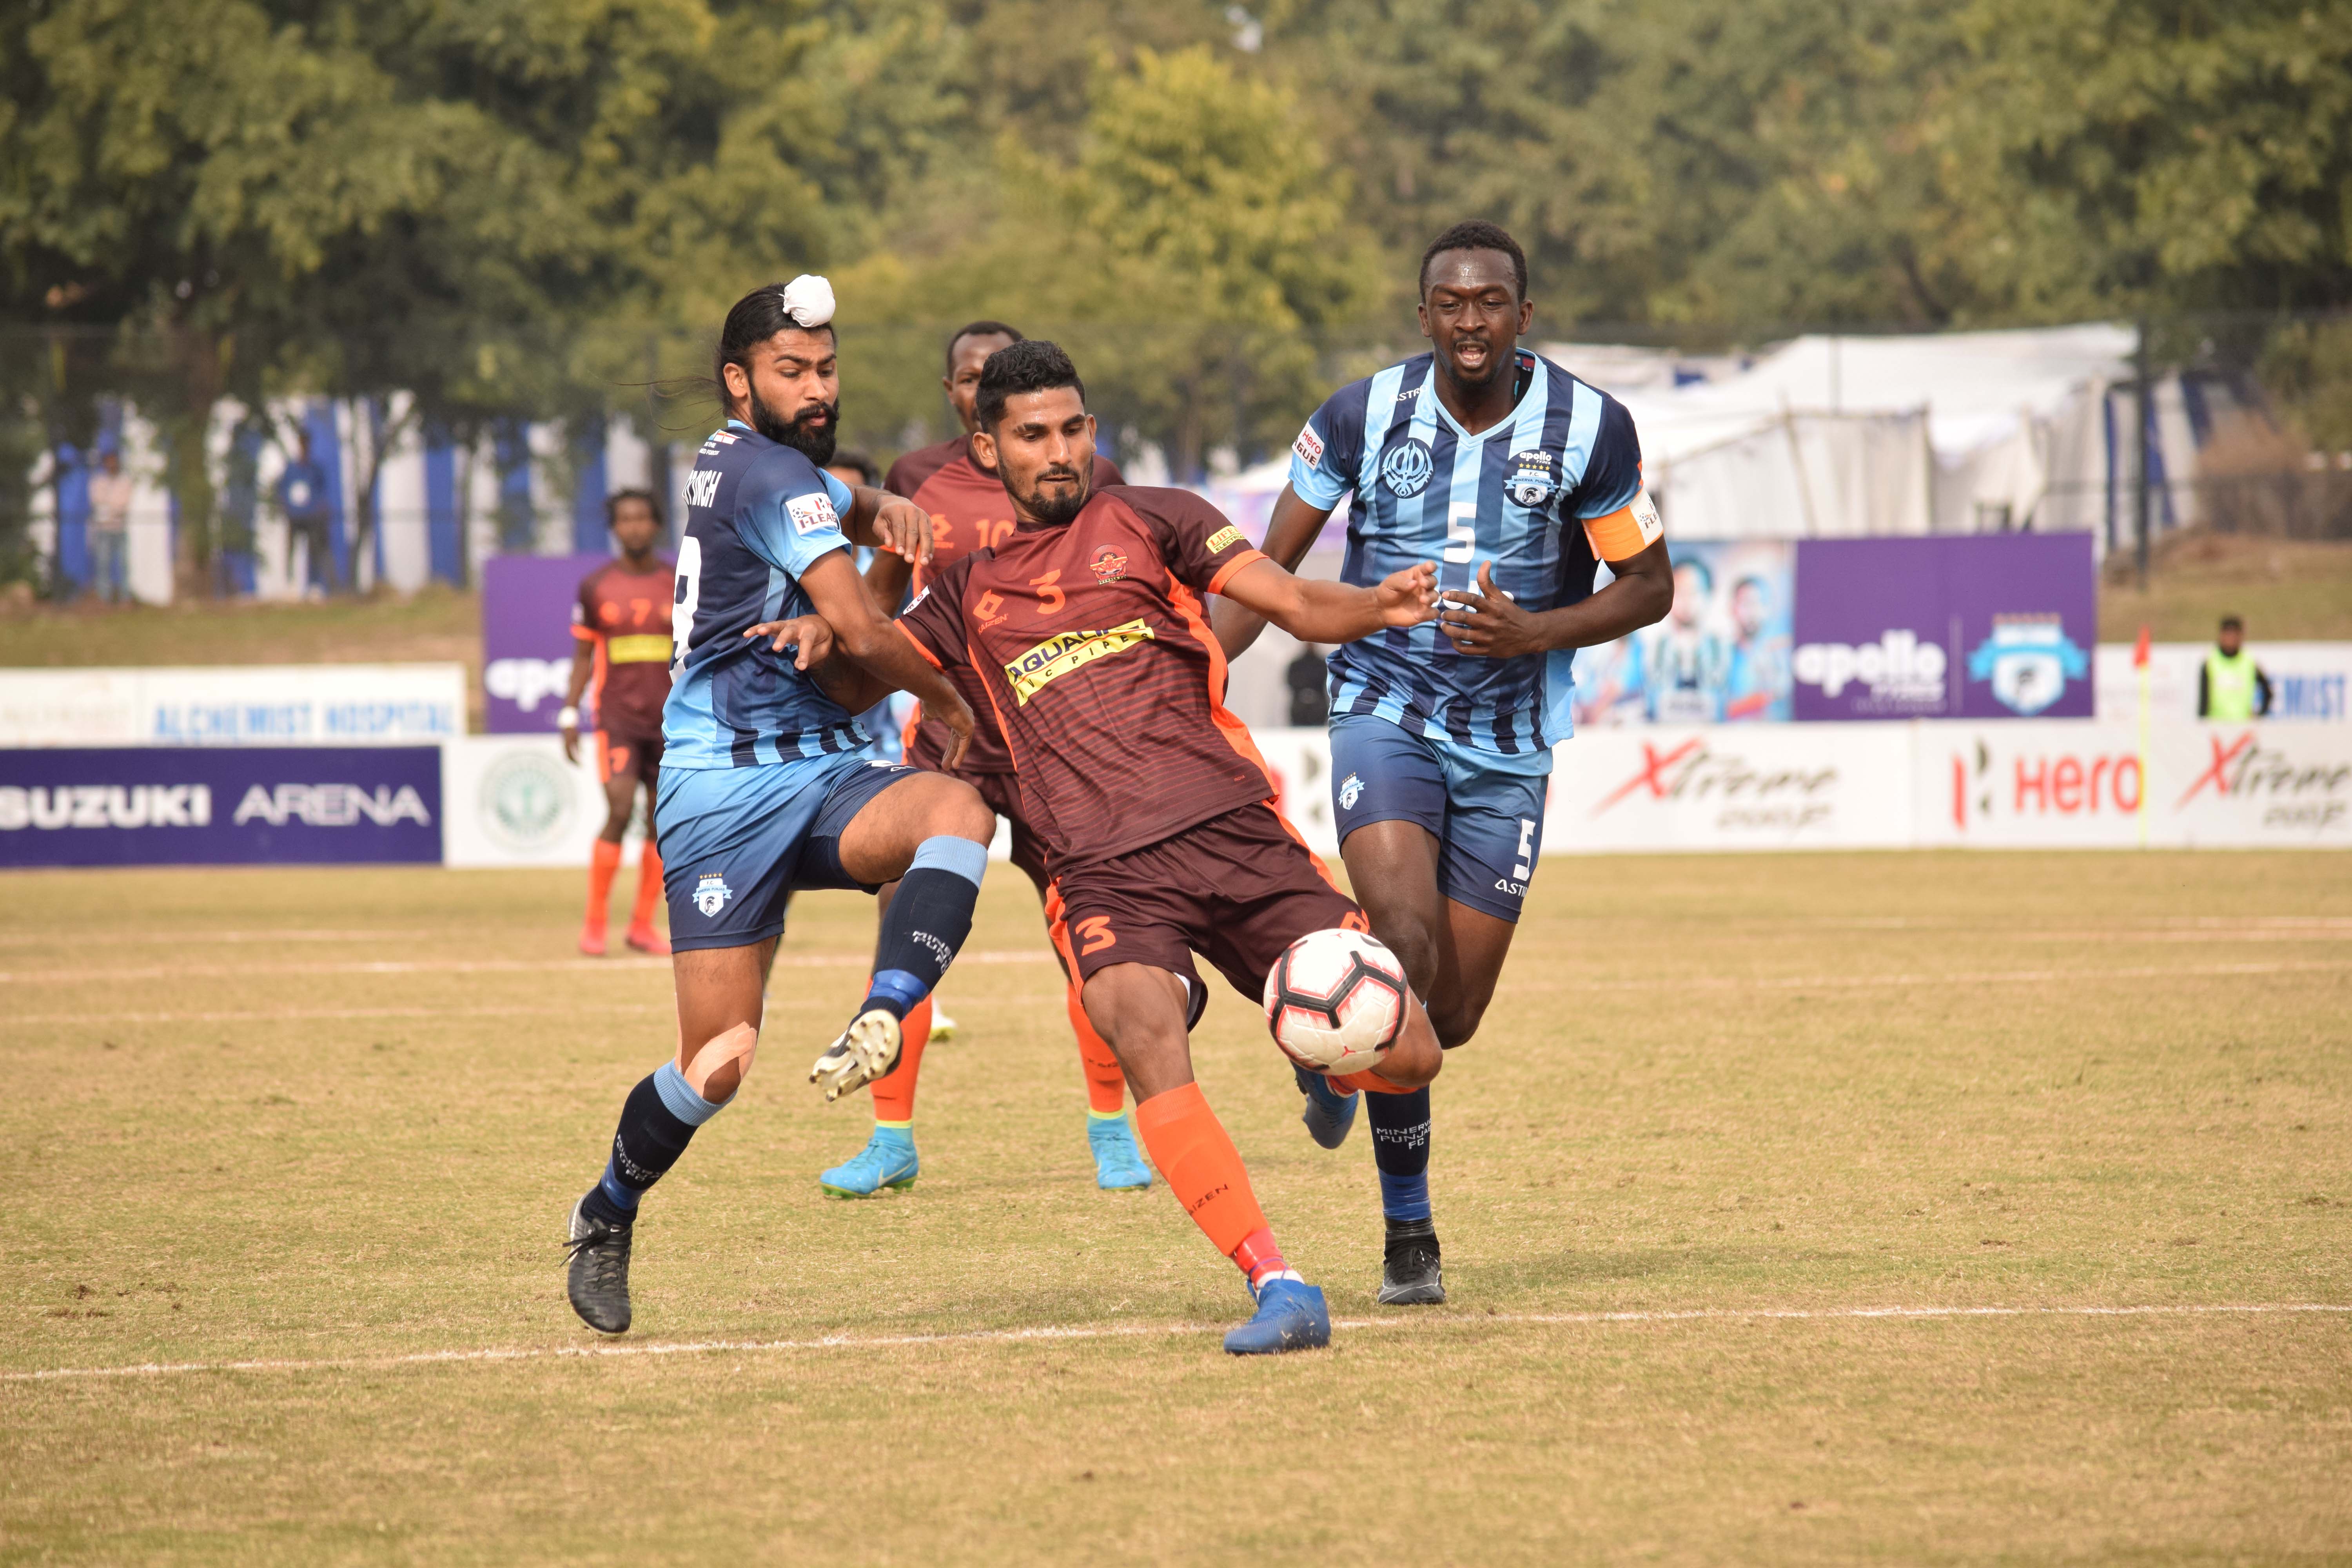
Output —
(959, 720)
(904, 529)
(811, 635)
(571, 744)
(1488, 624)
(1408, 598)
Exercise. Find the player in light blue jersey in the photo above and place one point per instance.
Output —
(766, 788)
(1521, 480)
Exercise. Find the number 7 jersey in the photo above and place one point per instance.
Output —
(1543, 495)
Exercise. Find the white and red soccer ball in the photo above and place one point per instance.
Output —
(1335, 1001)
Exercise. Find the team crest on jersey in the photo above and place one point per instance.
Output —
(711, 893)
(1351, 790)
(1110, 564)
(1533, 479)
(1408, 466)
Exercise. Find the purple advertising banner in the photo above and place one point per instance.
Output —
(527, 638)
(1996, 626)
(218, 806)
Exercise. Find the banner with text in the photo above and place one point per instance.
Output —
(527, 639)
(170, 805)
(234, 705)
(1996, 626)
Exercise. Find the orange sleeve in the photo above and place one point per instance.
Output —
(583, 633)
(1224, 574)
(928, 657)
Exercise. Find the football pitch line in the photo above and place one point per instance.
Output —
(494, 1356)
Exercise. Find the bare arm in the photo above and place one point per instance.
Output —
(583, 664)
(1314, 611)
(1289, 534)
(1488, 623)
(868, 638)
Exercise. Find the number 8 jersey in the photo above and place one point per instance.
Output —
(1543, 494)
(758, 515)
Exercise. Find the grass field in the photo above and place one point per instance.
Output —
(1901, 1209)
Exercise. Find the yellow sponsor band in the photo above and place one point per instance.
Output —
(1057, 656)
(1229, 535)
(646, 648)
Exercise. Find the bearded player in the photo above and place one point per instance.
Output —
(764, 786)
(1521, 480)
(968, 508)
(1087, 630)
(621, 665)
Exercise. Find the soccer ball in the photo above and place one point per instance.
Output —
(1335, 1001)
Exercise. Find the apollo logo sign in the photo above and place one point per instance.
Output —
(1898, 665)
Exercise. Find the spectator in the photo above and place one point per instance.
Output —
(2230, 687)
(1310, 696)
(302, 497)
(110, 529)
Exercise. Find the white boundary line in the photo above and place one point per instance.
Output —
(474, 966)
(1138, 1330)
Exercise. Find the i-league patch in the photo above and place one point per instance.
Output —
(1532, 480)
(812, 514)
(711, 893)
(1309, 446)
(1408, 468)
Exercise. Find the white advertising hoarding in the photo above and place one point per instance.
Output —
(2309, 681)
(235, 705)
(1764, 786)
(512, 800)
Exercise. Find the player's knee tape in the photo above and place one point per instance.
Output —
(739, 1045)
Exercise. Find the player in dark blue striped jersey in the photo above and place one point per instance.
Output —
(767, 787)
(1521, 480)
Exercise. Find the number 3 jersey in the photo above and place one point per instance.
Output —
(1543, 494)
(758, 515)
(1092, 646)
(969, 511)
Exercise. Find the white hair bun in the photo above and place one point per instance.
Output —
(808, 300)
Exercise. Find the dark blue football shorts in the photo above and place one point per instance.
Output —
(1485, 809)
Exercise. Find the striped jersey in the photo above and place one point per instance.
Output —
(1543, 494)
(758, 515)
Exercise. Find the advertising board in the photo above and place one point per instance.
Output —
(527, 638)
(234, 705)
(1973, 627)
(512, 800)
(1721, 655)
(2309, 681)
(175, 806)
(1780, 786)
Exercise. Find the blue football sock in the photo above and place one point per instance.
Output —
(657, 1122)
(1400, 1149)
(928, 919)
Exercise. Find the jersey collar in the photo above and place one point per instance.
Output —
(1527, 367)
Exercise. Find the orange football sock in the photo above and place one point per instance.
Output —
(1202, 1167)
(1106, 1083)
(603, 862)
(649, 884)
(893, 1093)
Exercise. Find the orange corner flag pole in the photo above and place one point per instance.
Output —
(2140, 665)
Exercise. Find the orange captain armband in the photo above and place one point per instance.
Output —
(1627, 531)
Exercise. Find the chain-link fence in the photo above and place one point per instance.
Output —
(2237, 424)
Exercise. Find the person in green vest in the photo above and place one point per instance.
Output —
(2230, 687)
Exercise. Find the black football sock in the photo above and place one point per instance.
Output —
(1400, 1149)
(928, 919)
(657, 1122)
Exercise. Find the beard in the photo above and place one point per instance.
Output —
(813, 432)
(1055, 508)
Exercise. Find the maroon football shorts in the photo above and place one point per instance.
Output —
(1237, 889)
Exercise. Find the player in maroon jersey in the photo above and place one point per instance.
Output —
(968, 510)
(1087, 632)
(621, 666)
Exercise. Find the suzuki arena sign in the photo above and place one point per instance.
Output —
(1981, 627)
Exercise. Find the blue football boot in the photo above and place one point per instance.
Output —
(1118, 1164)
(887, 1161)
(1291, 1316)
(1330, 1113)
